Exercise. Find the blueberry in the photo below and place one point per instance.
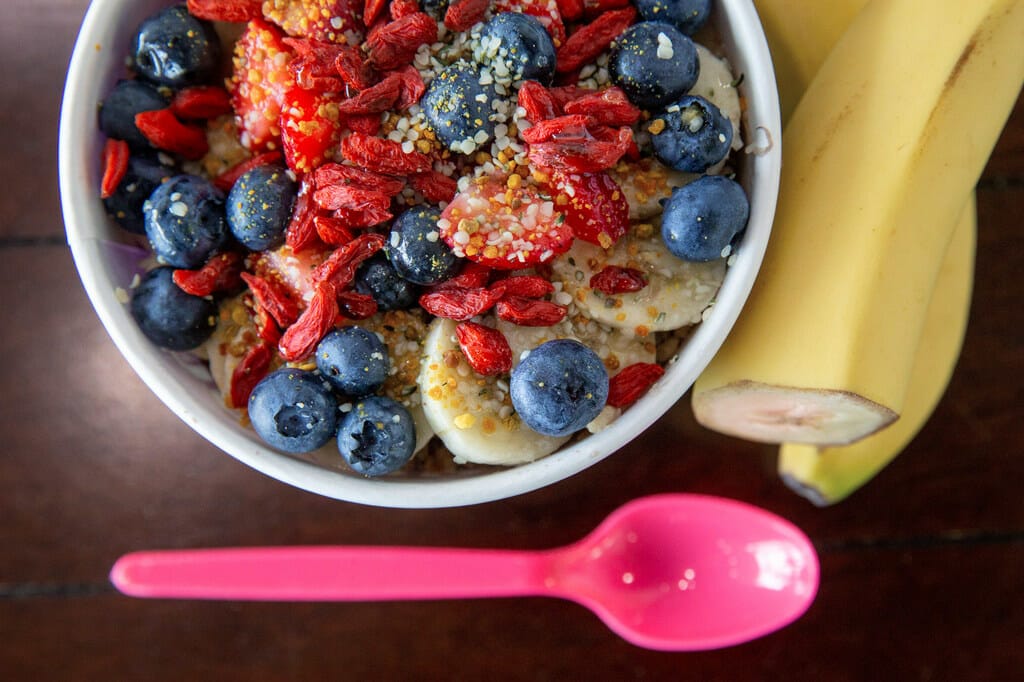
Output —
(117, 112)
(654, 64)
(696, 135)
(185, 221)
(353, 360)
(435, 8)
(293, 410)
(378, 278)
(144, 174)
(259, 207)
(686, 15)
(377, 436)
(702, 218)
(559, 388)
(458, 108)
(168, 316)
(522, 43)
(174, 48)
(416, 251)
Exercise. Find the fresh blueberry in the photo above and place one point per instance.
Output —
(654, 64)
(521, 43)
(435, 8)
(686, 15)
(293, 410)
(378, 278)
(185, 221)
(144, 174)
(458, 108)
(168, 316)
(559, 388)
(353, 360)
(260, 207)
(377, 436)
(695, 136)
(415, 250)
(117, 112)
(701, 219)
(174, 48)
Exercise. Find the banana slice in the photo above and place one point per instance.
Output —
(645, 183)
(717, 84)
(677, 292)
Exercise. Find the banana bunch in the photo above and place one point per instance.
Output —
(881, 153)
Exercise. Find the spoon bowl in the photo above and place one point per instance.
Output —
(673, 572)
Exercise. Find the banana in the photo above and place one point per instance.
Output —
(878, 163)
(717, 84)
(473, 414)
(827, 475)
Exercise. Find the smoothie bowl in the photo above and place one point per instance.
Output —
(453, 257)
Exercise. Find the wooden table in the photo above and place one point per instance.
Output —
(922, 571)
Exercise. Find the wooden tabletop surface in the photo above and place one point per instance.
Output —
(922, 570)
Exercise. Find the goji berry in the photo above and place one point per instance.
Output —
(272, 298)
(364, 124)
(219, 274)
(528, 312)
(226, 180)
(300, 340)
(356, 306)
(163, 129)
(340, 267)
(598, 6)
(537, 101)
(626, 387)
(434, 186)
(613, 279)
(366, 217)
(563, 94)
(266, 329)
(116, 155)
(486, 349)
(253, 366)
(201, 102)
(352, 197)
(570, 10)
(312, 67)
(326, 20)
(332, 230)
(372, 10)
(461, 15)
(353, 69)
(383, 156)
(472, 275)
(608, 107)
(527, 286)
(401, 8)
(561, 127)
(459, 303)
(340, 174)
(581, 153)
(374, 99)
(395, 43)
(301, 232)
(595, 207)
(589, 41)
(411, 86)
(234, 11)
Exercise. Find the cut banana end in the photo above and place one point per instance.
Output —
(775, 414)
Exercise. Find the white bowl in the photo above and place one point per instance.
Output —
(107, 263)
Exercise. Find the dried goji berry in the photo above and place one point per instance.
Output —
(332, 230)
(486, 349)
(340, 267)
(365, 124)
(561, 127)
(563, 94)
(527, 286)
(116, 155)
(401, 8)
(613, 279)
(411, 86)
(266, 329)
(528, 312)
(626, 387)
(589, 41)
(395, 43)
(461, 15)
(570, 9)
(383, 156)
(226, 180)
(310, 73)
(472, 275)
(301, 233)
(434, 186)
(272, 298)
(163, 129)
(219, 274)
(356, 306)
(537, 101)
(201, 102)
(372, 10)
(367, 217)
(340, 174)
(353, 68)
(352, 197)
(609, 107)
(300, 340)
(235, 11)
(595, 207)
(253, 366)
(374, 99)
(581, 153)
(459, 303)
(597, 6)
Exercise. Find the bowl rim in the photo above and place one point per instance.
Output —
(105, 28)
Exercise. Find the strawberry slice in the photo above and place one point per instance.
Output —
(505, 225)
(259, 82)
(310, 128)
(326, 20)
(595, 207)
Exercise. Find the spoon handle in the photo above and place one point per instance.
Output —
(329, 573)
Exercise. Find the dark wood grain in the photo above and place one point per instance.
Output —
(921, 570)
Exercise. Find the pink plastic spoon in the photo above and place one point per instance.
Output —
(670, 572)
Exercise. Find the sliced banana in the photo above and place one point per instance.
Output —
(717, 84)
(677, 291)
(645, 183)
